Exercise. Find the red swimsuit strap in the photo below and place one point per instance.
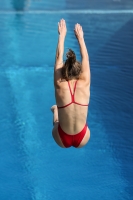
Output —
(72, 95)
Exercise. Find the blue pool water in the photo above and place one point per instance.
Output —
(32, 166)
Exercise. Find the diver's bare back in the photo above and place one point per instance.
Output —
(73, 117)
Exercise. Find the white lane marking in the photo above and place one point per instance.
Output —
(68, 12)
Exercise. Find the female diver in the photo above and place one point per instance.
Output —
(72, 92)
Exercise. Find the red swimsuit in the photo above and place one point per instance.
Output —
(67, 139)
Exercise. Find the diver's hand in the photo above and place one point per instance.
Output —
(78, 31)
(62, 28)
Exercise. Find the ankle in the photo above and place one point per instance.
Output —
(54, 108)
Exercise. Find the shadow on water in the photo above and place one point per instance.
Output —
(118, 51)
(102, 4)
(20, 5)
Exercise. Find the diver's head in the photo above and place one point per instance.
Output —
(71, 68)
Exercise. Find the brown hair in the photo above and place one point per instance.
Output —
(71, 68)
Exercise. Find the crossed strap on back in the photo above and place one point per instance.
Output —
(72, 97)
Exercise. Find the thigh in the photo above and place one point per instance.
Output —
(56, 135)
(85, 138)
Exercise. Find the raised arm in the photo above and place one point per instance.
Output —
(84, 54)
(59, 51)
(60, 46)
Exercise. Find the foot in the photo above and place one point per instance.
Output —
(53, 108)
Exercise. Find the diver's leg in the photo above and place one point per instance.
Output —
(55, 133)
(54, 109)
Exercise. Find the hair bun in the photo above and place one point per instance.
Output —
(71, 57)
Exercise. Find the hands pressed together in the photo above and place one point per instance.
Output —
(62, 30)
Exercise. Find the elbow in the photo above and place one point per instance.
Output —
(85, 57)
